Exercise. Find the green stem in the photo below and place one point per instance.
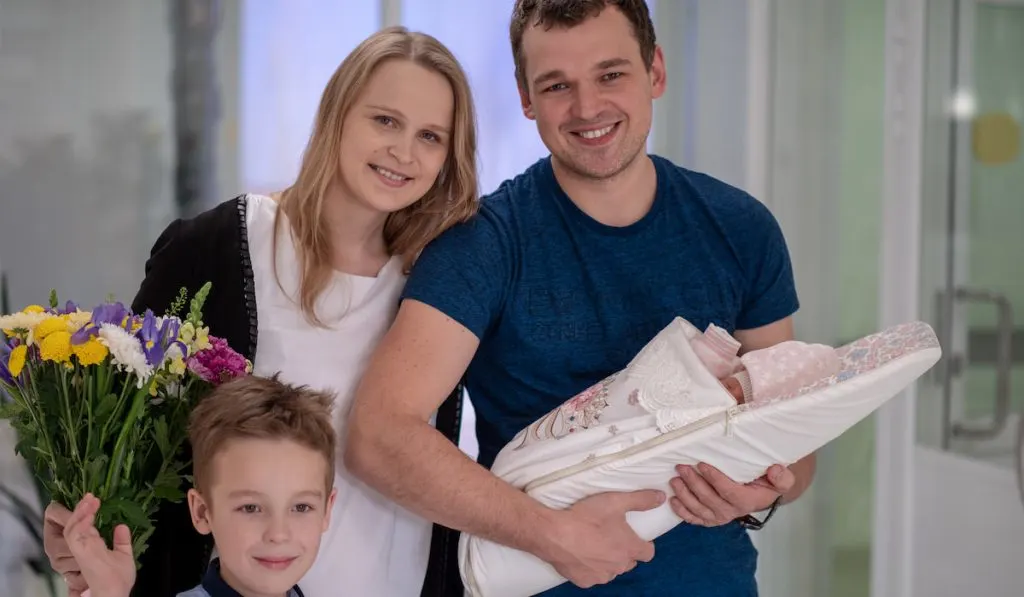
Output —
(93, 393)
(68, 424)
(120, 447)
(37, 418)
(117, 408)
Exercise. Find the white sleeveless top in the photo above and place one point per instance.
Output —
(373, 546)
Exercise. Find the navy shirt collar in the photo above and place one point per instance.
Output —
(216, 586)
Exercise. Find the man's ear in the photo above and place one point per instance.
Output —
(659, 74)
(524, 99)
(200, 511)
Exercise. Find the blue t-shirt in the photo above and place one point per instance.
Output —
(561, 301)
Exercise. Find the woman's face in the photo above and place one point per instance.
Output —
(395, 138)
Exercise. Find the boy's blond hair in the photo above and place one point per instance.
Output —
(254, 407)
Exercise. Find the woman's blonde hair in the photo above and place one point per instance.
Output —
(452, 199)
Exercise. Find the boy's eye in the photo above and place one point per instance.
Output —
(249, 508)
(303, 508)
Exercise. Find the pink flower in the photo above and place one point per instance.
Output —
(218, 363)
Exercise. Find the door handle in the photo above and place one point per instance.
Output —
(1004, 364)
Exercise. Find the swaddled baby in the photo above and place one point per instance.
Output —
(766, 374)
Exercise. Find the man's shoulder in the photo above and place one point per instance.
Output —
(504, 212)
(711, 190)
(726, 201)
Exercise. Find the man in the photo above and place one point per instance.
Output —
(568, 270)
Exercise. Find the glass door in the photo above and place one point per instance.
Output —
(969, 518)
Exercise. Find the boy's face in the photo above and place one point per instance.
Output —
(590, 93)
(267, 509)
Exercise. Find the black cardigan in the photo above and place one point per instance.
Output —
(214, 247)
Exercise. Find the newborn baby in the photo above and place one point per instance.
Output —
(766, 374)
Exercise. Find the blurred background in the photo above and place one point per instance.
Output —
(883, 134)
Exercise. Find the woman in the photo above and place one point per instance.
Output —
(306, 282)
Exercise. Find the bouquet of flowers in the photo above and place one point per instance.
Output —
(101, 400)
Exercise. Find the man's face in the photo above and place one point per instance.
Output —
(590, 94)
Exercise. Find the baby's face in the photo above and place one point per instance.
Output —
(734, 387)
(267, 508)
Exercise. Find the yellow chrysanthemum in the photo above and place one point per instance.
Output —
(48, 326)
(91, 352)
(33, 309)
(56, 347)
(16, 362)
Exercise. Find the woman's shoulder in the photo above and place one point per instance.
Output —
(220, 226)
(219, 219)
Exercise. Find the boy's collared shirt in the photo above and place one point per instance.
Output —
(214, 585)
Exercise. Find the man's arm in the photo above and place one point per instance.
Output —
(763, 337)
(705, 496)
(392, 447)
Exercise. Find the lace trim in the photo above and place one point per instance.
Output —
(248, 285)
(663, 387)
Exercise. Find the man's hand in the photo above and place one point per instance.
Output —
(594, 542)
(705, 496)
(107, 572)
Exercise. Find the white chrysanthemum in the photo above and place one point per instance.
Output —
(126, 352)
(22, 321)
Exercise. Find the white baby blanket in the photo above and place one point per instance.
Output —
(664, 409)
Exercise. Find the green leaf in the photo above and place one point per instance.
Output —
(53, 298)
(10, 410)
(171, 494)
(96, 472)
(160, 434)
(105, 407)
(120, 510)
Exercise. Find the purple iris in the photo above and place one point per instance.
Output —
(113, 313)
(69, 307)
(5, 357)
(156, 339)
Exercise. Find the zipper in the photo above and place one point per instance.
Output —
(725, 416)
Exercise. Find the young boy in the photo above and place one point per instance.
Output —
(263, 459)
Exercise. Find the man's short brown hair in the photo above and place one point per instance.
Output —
(569, 13)
(254, 407)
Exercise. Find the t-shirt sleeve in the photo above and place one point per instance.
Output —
(465, 273)
(771, 290)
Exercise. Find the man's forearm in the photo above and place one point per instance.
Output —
(411, 463)
(803, 471)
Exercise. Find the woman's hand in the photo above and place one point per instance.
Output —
(107, 572)
(55, 519)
